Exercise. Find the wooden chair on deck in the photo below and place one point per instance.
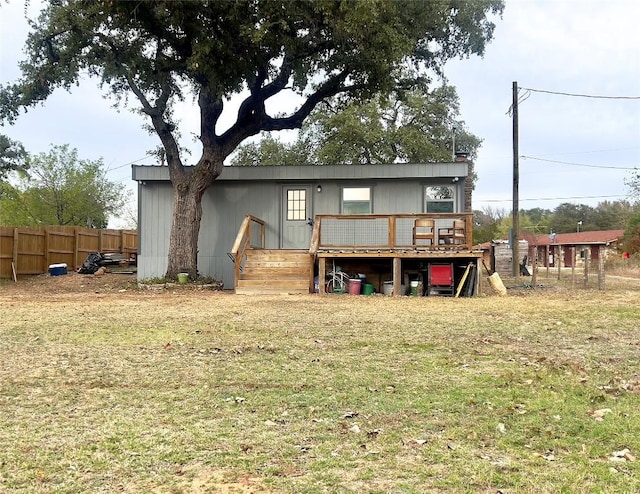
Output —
(453, 235)
(423, 230)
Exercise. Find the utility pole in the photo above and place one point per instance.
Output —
(515, 247)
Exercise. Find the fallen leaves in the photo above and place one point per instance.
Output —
(622, 456)
(415, 442)
(236, 399)
(598, 415)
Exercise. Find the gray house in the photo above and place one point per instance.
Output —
(385, 223)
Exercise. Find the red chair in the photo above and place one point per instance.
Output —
(440, 279)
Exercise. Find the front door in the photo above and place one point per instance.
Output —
(296, 217)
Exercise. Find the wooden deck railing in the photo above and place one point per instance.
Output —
(251, 235)
(384, 231)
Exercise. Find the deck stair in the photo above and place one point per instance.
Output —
(269, 271)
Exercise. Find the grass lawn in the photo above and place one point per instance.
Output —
(196, 391)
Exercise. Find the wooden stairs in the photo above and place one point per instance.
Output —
(269, 271)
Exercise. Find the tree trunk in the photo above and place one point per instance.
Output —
(188, 189)
(185, 229)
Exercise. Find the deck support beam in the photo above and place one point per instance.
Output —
(397, 276)
(322, 274)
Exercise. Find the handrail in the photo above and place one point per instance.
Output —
(244, 242)
(315, 238)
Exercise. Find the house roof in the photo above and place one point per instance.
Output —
(578, 238)
(320, 172)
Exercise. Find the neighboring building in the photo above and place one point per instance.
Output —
(360, 216)
(572, 249)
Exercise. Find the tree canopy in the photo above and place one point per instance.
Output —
(414, 126)
(157, 52)
(491, 224)
(61, 189)
(12, 157)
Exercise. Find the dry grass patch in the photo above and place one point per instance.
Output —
(203, 391)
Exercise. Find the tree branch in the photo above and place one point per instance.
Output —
(254, 122)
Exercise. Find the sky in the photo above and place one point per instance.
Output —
(576, 149)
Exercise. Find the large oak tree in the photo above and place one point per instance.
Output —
(414, 126)
(161, 51)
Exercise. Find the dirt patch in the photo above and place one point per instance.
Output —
(70, 283)
(112, 282)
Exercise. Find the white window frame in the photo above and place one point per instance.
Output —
(346, 203)
(431, 199)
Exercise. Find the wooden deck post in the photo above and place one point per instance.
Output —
(397, 276)
(392, 231)
(322, 274)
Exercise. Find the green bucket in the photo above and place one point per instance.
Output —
(367, 289)
(183, 278)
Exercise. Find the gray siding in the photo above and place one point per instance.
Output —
(154, 227)
(258, 191)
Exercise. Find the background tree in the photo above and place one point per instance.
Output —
(566, 217)
(613, 215)
(631, 241)
(269, 151)
(413, 126)
(62, 189)
(160, 51)
(12, 157)
(486, 224)
(633, 183)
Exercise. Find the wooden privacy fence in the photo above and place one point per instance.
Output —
(33, 250)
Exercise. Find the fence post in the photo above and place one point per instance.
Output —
(601, 267)
(534, 267)
(15, 250)
(587, 260)
(573, 265)
(47, 246)
(76, 243)
(546, 258)
(558, 260)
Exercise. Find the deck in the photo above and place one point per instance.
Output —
(383, 248)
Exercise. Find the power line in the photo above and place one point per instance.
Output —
(592, 151)
(578, 95)
(552, 198)
(127, 164)
(580, 164)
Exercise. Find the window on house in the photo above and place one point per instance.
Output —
(439, 199)
(296, 205)
(356, 200)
